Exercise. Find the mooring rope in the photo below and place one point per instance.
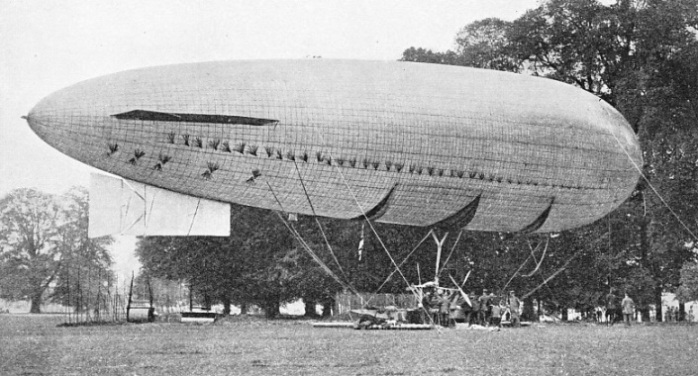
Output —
(312, 208)
(451, 253)
(542, 257)
(363, 213)
(652, 186)
(401, 263)
(307, 247)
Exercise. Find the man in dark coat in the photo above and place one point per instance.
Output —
(475, 309)
(427, 304)
(611, 307)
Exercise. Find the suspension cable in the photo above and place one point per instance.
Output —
(363, 213)
(652, 187)
(542, 257)
(307, 247)
(441, 268)
(401, 263)
(324, 236)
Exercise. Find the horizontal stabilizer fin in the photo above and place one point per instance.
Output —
(192, 118)
(119, 207)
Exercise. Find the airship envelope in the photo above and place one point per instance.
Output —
(395, 142)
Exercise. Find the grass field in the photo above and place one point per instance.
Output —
(34, 345)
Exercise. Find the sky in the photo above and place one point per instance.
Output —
(48, 45)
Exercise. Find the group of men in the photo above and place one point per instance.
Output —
(487, 309)
(614, 311)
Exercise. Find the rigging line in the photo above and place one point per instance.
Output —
(327, 242)
(324, 236)
(307, 248)
(276, 198)
(451, 253)
(599, 238)
(363, 212)
(542, 257)
(652, 187)
(515, 274)
(419, 276)
(563, 267)
(402, 262)
(305, 245)
(312, 254)
(132, 225)
(193, 219)
(553, 275)
(465, 279)
(533, 251)
(608, 259)
(318, 260)
(152, 203)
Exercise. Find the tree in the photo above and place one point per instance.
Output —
(428, 56)
(486, 44)
(688, 290)
(42, 239)
(84, 274)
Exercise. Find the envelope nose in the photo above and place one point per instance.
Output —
(42, 120)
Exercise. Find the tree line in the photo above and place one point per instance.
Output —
(640, 56)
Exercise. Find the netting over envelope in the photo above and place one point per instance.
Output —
(413, 144)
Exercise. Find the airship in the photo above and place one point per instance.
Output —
(393, 142)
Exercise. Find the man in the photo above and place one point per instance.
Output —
(514, 309)
(444, 308)
(484, 316)
(467, 309)
(435, 307)
(611, 307)
(497, 310)
(475, 309)
(427, 306)
(628, 309)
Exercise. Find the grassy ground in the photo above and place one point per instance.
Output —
(34, 345)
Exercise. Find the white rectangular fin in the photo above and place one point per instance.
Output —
(122, 207)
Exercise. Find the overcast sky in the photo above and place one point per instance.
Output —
(47, 45)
